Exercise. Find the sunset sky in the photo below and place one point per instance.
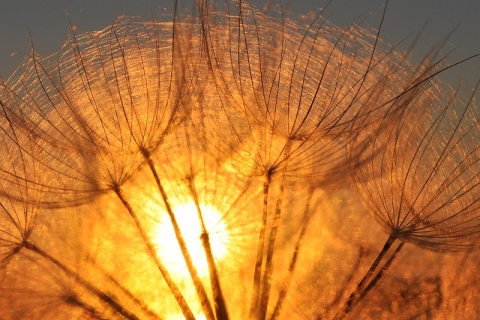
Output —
(48, 23)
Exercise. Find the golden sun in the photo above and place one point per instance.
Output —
(189, 222)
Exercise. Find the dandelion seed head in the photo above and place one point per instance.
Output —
(93, 107)
(424, 184)
(206, 166)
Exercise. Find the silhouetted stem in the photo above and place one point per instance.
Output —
(202, 294)
(153, 253)
(87, 285)
(358, 291)
(220, 305)
(254, 302)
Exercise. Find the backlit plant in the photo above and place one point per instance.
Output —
(232, 163)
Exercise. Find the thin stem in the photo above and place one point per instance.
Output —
(259, 260)
(202, 294)
(153, 253)
(358, 291)
(87, 285)
(220, 305)
(267, 276)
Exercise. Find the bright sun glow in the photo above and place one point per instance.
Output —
(188, 220)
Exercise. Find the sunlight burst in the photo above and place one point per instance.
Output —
(190, 225)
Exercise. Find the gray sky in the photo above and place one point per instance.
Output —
(48, 23)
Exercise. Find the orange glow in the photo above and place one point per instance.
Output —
(189, 223)
(180, 316)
